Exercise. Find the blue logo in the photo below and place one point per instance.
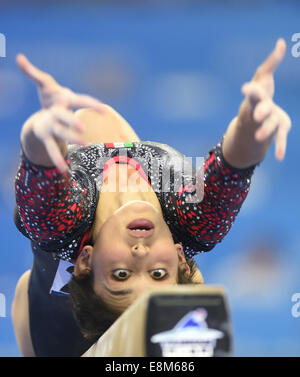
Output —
(190, 337)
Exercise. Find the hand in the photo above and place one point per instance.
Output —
(268, 119)
(56, 124)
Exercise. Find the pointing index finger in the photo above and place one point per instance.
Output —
(274, 59)
(30, 70)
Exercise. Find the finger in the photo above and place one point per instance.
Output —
(285, 119)
(281, 137)
(35, 74)
(268, 127)
(262, 110)
(280, 143)
(55, 154)
(83, 100)
(254, 92)
(68, 118)
(67, 134)
(48, 125)
(274, 59)
(42, 128)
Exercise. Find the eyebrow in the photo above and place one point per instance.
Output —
(122, 292)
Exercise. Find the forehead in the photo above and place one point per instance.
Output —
(119, 299)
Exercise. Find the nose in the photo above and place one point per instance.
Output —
(139, 250)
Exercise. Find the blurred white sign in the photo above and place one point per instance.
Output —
(2, 305)
(2, 46)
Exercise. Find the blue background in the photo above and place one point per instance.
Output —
(174, 70)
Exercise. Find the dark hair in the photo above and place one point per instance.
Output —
(92, 314)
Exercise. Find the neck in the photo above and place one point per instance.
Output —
(121, 186)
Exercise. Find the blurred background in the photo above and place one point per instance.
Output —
(174, 70)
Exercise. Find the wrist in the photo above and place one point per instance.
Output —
(240, 148)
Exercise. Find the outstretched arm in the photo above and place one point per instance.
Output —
(229, 167)
(51, 204)
(259, 120)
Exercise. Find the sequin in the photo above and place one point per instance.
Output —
(57, 210)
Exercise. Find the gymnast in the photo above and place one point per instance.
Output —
(90, 192)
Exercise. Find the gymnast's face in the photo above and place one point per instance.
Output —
(134, 251)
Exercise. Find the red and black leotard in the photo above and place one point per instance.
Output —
(57, 210)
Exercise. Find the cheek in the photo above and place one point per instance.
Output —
(166, 251)
(109, 252)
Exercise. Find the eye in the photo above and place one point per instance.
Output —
(159, 274)
(120, 274)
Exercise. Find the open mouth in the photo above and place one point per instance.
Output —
(140, 228)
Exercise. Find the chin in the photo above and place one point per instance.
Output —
(137, 206)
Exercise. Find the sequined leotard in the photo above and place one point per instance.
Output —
(56, 211)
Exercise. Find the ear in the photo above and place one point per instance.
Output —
(197, 277)
(83, 264)
(182, 261)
